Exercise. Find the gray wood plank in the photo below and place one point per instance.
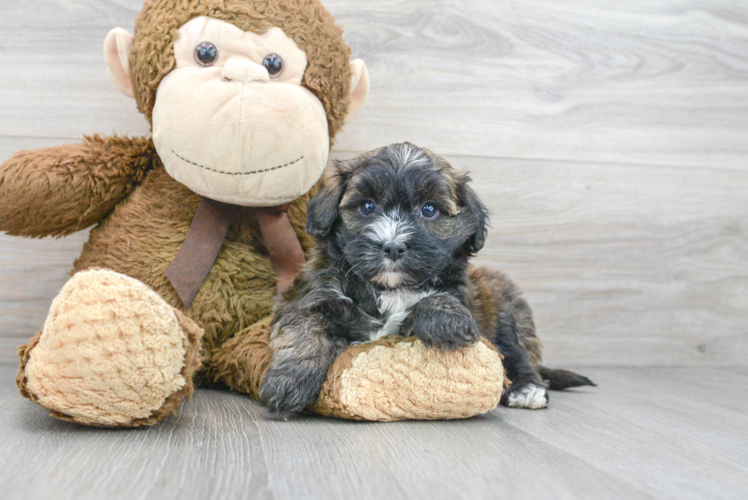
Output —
(623, 265)
(209, 451)
(689, 391)
(633, 252)
(734, 370)
(54, 77)
(643, 433)
(654, 428)
(643, 82)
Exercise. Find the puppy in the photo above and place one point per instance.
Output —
(395, 230)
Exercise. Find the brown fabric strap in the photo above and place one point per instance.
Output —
(200, 249)
(282, 244)
(207, 232)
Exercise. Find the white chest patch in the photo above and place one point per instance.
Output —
(395, 307)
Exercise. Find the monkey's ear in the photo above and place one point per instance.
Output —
(323, 207)
(477, 209)
(359, 88)
(117, 47)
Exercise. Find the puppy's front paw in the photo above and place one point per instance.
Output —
(446, 331)
(528, 395)
(285, 392)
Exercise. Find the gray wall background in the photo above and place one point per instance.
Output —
(609, 139)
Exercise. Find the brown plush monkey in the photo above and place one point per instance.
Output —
(192, 240)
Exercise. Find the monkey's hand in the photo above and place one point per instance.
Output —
(60, 190)
(441, 321)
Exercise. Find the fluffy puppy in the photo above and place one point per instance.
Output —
(395, 230)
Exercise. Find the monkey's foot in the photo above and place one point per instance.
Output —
(111, 353)
(399, 378)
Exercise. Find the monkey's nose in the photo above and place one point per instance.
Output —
(243, 71)
(393, 250)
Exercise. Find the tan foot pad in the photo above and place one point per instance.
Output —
(397, 379)
(112, 353)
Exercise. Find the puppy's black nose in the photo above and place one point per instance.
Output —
(393, 250)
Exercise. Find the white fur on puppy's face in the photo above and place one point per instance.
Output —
(402, 216)
(389, 279)
(390, 228)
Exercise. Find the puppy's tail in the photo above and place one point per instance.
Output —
(561, 379)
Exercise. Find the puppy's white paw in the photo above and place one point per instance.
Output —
(530, 396)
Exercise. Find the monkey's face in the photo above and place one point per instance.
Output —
(234, 116)
(233, 119)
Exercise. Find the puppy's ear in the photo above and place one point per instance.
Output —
(476, 209)
(323, 207)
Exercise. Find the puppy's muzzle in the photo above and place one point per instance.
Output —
(394, 250)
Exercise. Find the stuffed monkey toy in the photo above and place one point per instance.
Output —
(198, 227)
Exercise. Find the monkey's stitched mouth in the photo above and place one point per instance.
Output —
(237, 173)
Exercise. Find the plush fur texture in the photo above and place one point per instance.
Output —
(397, 379)
(396, 228)
(77, 369)
(60, 190)
(228, 131)
(142, 215)
(240, 288)
(306, 21)
(142, 235)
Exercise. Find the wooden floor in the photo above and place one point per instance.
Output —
(610, 142)
(678, 433)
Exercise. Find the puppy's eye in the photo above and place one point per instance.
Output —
(429, 211)
(367, 208)
(274, 64)
(206, 54)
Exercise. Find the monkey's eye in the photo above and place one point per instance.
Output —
(206, 54)
(367, 208)
(274, 64)
(429, 211)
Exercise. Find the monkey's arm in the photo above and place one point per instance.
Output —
(60, 190)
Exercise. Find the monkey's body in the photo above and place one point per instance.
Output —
(129, 241)
(248, 122)
(140, 236)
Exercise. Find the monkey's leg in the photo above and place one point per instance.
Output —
(242, 362)
(111, 353)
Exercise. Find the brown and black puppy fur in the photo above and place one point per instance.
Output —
(395, 230)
